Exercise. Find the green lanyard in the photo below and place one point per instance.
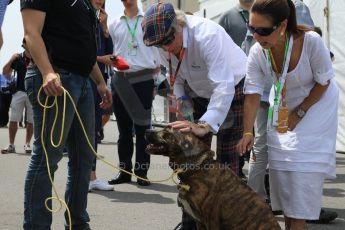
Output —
(245, 15)
(281, 81)
(132, 31)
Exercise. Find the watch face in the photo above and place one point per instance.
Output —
(300, 113)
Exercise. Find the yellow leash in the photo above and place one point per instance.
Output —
(56, 197)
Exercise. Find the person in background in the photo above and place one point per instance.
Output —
(18, 64)
(105, 48)
(106, 113)
(234, 22)
(303, 14)
(212, 69)
(5, 100)
(319, 31)
(133, 92)
(300, 154)
(60, 36)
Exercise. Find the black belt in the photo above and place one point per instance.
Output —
(137, 73)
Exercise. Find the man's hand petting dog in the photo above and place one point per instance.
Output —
(199, 130)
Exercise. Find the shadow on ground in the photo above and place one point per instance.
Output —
(135, 197)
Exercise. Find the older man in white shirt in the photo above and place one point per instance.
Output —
(206, 65)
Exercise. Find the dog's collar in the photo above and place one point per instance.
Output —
(205, 156)
(199, 161)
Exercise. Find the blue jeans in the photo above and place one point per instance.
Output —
(37, 183)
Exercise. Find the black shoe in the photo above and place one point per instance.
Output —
(242, 177)
(325, 217)
(188, 223)
(277, 212)
(141, 182)
(121, 178)
(101, 134)
(99, 140)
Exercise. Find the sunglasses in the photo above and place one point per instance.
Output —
(167, 40)
(262, 31)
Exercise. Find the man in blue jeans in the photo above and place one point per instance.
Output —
(60, 37)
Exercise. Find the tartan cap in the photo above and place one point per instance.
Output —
(156, 22)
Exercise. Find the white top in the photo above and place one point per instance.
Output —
(212, 66)
(146, 57)
(310, 147)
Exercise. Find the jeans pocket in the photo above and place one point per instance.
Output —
(29, 87)
(33, 82)
(65, 75)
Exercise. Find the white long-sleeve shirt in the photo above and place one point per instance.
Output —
(213, 64)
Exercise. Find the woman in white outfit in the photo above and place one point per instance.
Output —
(302, 154)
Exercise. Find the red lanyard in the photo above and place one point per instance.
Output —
(173, 76)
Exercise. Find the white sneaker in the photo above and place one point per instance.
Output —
(27, 149)
(98, 184)
(9, 149)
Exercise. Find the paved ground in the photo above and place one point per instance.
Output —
(129, 207)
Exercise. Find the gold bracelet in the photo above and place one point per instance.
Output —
(248, 134)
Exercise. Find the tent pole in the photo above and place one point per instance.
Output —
(326, 14)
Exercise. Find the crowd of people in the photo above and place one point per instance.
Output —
(257, 80)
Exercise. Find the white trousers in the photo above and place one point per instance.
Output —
(257, 169)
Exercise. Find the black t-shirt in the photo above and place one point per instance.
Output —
(19, 67)
(68, 33)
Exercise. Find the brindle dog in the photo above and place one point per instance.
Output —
(217, 198)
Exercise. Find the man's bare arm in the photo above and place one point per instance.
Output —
(33, 21)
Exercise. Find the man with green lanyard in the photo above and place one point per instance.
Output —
(234, 21)
(132, 91)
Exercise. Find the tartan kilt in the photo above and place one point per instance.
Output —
(231, 131)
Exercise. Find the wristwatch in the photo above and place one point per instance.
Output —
(300, 113)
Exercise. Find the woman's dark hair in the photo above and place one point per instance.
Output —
(278, 11)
